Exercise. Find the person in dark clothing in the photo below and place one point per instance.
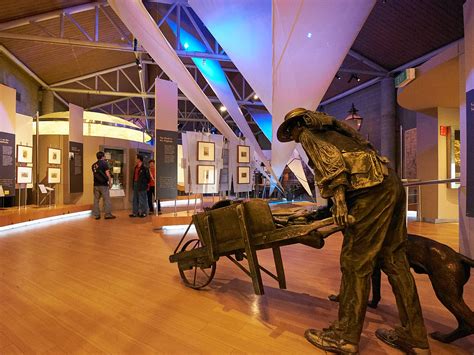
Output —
(102, 184)
(141, 179)
(151, 193)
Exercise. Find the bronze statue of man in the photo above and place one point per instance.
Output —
(348, 169)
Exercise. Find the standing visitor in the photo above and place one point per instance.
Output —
(102, 184)
(141, 179)
(151, 192)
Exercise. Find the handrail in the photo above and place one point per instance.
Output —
(431, 182)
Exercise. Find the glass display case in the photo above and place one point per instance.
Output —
(116, 160)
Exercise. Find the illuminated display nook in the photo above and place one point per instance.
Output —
(95, 125)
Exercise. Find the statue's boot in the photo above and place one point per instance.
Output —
(329, 340)
(396, 340)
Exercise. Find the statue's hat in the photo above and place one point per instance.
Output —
(284, 131)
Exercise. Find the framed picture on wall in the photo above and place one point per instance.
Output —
(24, 154)
(206, 174)
(54, 156)
(24, 175)
(206, 151)
(243, 154)
(243, 175)
(54, 175)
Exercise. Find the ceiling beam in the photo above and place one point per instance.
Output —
(69, 42)
(351, 91)
(103, 92)
(49, 15)
(365, 72)
(203, 55)
(418, 61)
(367, 61)
(92, 75)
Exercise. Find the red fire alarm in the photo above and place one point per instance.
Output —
(443, 130)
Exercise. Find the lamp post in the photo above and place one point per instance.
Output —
(354, 120)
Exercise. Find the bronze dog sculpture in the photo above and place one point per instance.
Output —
(448, 271)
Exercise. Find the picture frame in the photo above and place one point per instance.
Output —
(54, 175)
(243, 175)
(54, 156)
(24, 154)
(206, 151)
(206, 174)
(243, 154)
(24, 175)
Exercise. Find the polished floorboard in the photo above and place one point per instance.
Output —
(86, 286)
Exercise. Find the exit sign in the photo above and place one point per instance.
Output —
(405, 77)
(443, 131)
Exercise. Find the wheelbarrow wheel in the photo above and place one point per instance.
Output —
(197, 277)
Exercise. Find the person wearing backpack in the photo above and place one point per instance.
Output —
(102, 184)
(141, 179)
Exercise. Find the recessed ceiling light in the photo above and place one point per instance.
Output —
(309, 35)
(223, 108)
(186, 45)
(255, 97)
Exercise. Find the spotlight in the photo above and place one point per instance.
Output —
(255, 97)
(338, 77)
(222, 108)
(186, 45)
(354, 76)
(139, 65)
(309, 35)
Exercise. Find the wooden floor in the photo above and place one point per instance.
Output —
(86, 286)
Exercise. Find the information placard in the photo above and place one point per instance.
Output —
(76, 168)
(470, 153)
(7, 163)
(166, 164)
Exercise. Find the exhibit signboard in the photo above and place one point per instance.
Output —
(7, 163)
(470, 153)
(166, 164)
(76, 169)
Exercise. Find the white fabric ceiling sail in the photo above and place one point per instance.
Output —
(296, 167)
(137, 19)
(288, 51)
(310, 42)
(244, 30)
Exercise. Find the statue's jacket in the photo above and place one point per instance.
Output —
(340, 156)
